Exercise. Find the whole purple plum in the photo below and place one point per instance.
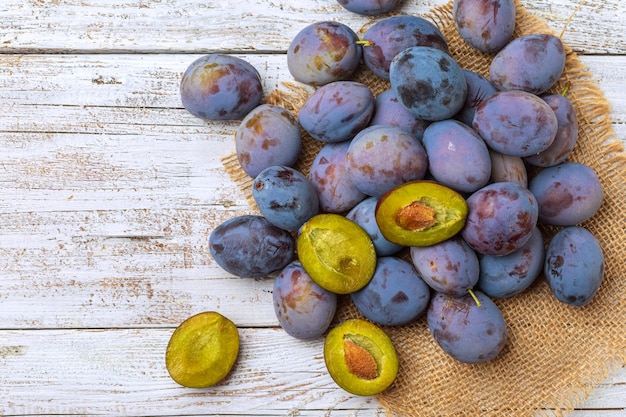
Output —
(329, 175)
(532, 63)
(566, 134)
(395, 295)
(458, 157)
(324, 52)
(501, 218)
(450, 267)
(428, 82)
(382, 157)
(507, 168)
(269, 135)
(479, 89)
(466, 331)
(574, 266)
(303, 308)
(389, 111)
(516, 123)
(369, 7)
(220, 87)
(391, 35)
(509, 275)
(568, 193)
(337, 111)
(250, 246)
(285, 197)
(364, 214)
(486, 25)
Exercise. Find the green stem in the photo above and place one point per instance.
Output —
(365, 43)
(476, 300)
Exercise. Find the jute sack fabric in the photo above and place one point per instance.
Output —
(555, 353)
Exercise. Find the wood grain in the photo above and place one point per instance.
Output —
(110, 190)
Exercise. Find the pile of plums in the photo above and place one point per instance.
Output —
(420, 200)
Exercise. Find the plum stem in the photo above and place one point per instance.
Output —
(565, 90)
(365, 43)
(473, 295)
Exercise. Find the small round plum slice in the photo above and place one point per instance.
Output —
(360, 357)
(420, 213)
(202, 350)
(337, 253)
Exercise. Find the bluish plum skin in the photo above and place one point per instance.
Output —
(566, 134)
(303, 309)
(450, 267)
(428, 82)
(337, 111)
(479, 89)
(516, 123)
(269, 135)
(285, 197)
(486, 25)
(395, 295)
(509, 275)
(329, 176)
(364, 214)
(391, 35)
(324, 52)
(458, 157)
(250, 246)
(574, 266)
(501, 218)
(369, 7)
(381, 157)
(465, 331)
(532, 63)
(220, 87)
(568, 193)
(507, 168)
(389, 111)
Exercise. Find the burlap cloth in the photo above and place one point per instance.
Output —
(555, 354)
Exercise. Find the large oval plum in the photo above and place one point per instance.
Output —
(395, 295)
(303, 308)
(269, 135)
(574, 266)
(501, 218)
(516, 123)
(450, 267)
(486, 25)
(532, 63)
(337, 111)
(566, 134)
(389, 111)
(329, 176)
(382, 157)
(364, 214)
(389, 36)
(458, 157)
(324, 52)
(250, 246)
(508, 275)
(369, 7)
(220, 87)
(285, 197)
(428, 82)
(466, 331)
(568, 193)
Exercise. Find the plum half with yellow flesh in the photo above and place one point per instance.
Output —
(420, 213)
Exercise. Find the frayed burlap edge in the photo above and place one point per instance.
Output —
(555, 354)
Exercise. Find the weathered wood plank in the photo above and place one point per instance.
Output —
(188, 26)
(122, 372)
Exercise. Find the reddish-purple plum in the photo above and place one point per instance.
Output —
(486, 25)
(220, 87)
(303, 308)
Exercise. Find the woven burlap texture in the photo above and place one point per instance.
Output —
(556, 354)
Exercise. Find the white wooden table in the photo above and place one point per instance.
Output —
(110, 190)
